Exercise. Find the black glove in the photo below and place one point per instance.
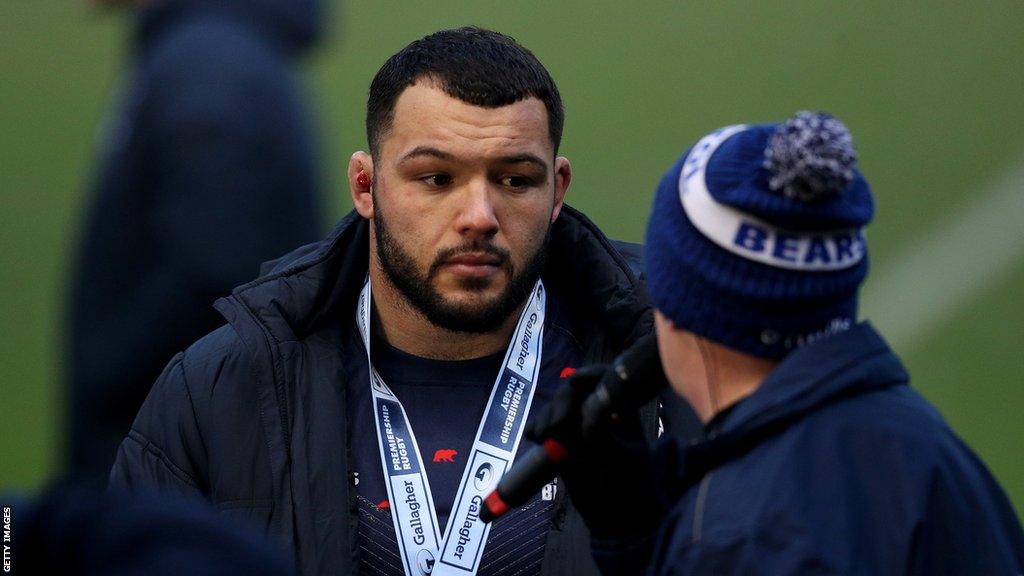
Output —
(609, 472)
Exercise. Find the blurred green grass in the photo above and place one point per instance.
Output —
(931, 90)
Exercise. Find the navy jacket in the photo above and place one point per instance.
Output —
(253, 416)
(207, 169)
(836, 466)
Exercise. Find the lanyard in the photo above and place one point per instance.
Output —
(420, 542)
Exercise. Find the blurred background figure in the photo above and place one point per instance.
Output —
(207, 168)
(77, 530)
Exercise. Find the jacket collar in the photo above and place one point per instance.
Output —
(849, 363)
(320, 283)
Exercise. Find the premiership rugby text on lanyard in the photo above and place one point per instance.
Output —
(420, 543)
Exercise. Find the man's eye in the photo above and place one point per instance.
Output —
(517, 182)
(437, 180)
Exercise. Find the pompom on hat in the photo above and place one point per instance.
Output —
(755, 239)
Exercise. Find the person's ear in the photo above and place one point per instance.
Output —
(360, 183)
(563, 176)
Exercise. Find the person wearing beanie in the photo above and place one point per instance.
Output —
(817, 456)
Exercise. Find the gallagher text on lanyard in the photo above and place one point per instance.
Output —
(420, 542)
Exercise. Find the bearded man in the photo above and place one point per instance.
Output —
(368, 390)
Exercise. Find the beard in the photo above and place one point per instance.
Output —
(418, 288)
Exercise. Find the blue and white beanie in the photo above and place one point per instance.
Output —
(755, 240)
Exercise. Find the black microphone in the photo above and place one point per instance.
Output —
(633, 379)
(636, 376)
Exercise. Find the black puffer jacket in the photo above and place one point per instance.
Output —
(253, 416)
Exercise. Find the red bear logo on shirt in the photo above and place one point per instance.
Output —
(445, 455)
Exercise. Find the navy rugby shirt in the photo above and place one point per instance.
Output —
(445, 401)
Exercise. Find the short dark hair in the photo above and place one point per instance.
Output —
(478, 66)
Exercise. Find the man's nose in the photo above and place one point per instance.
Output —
(476, 213)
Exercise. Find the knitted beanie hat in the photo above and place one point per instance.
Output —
(755, 239)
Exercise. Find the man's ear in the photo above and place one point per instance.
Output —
(563, 176)
(360, 183)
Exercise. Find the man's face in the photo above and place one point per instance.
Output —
(463, 201)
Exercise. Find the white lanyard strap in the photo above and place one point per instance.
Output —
(497, 438)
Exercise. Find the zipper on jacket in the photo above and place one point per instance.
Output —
(698, 511)
(279, 392)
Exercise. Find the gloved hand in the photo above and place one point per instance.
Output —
(609, 472)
